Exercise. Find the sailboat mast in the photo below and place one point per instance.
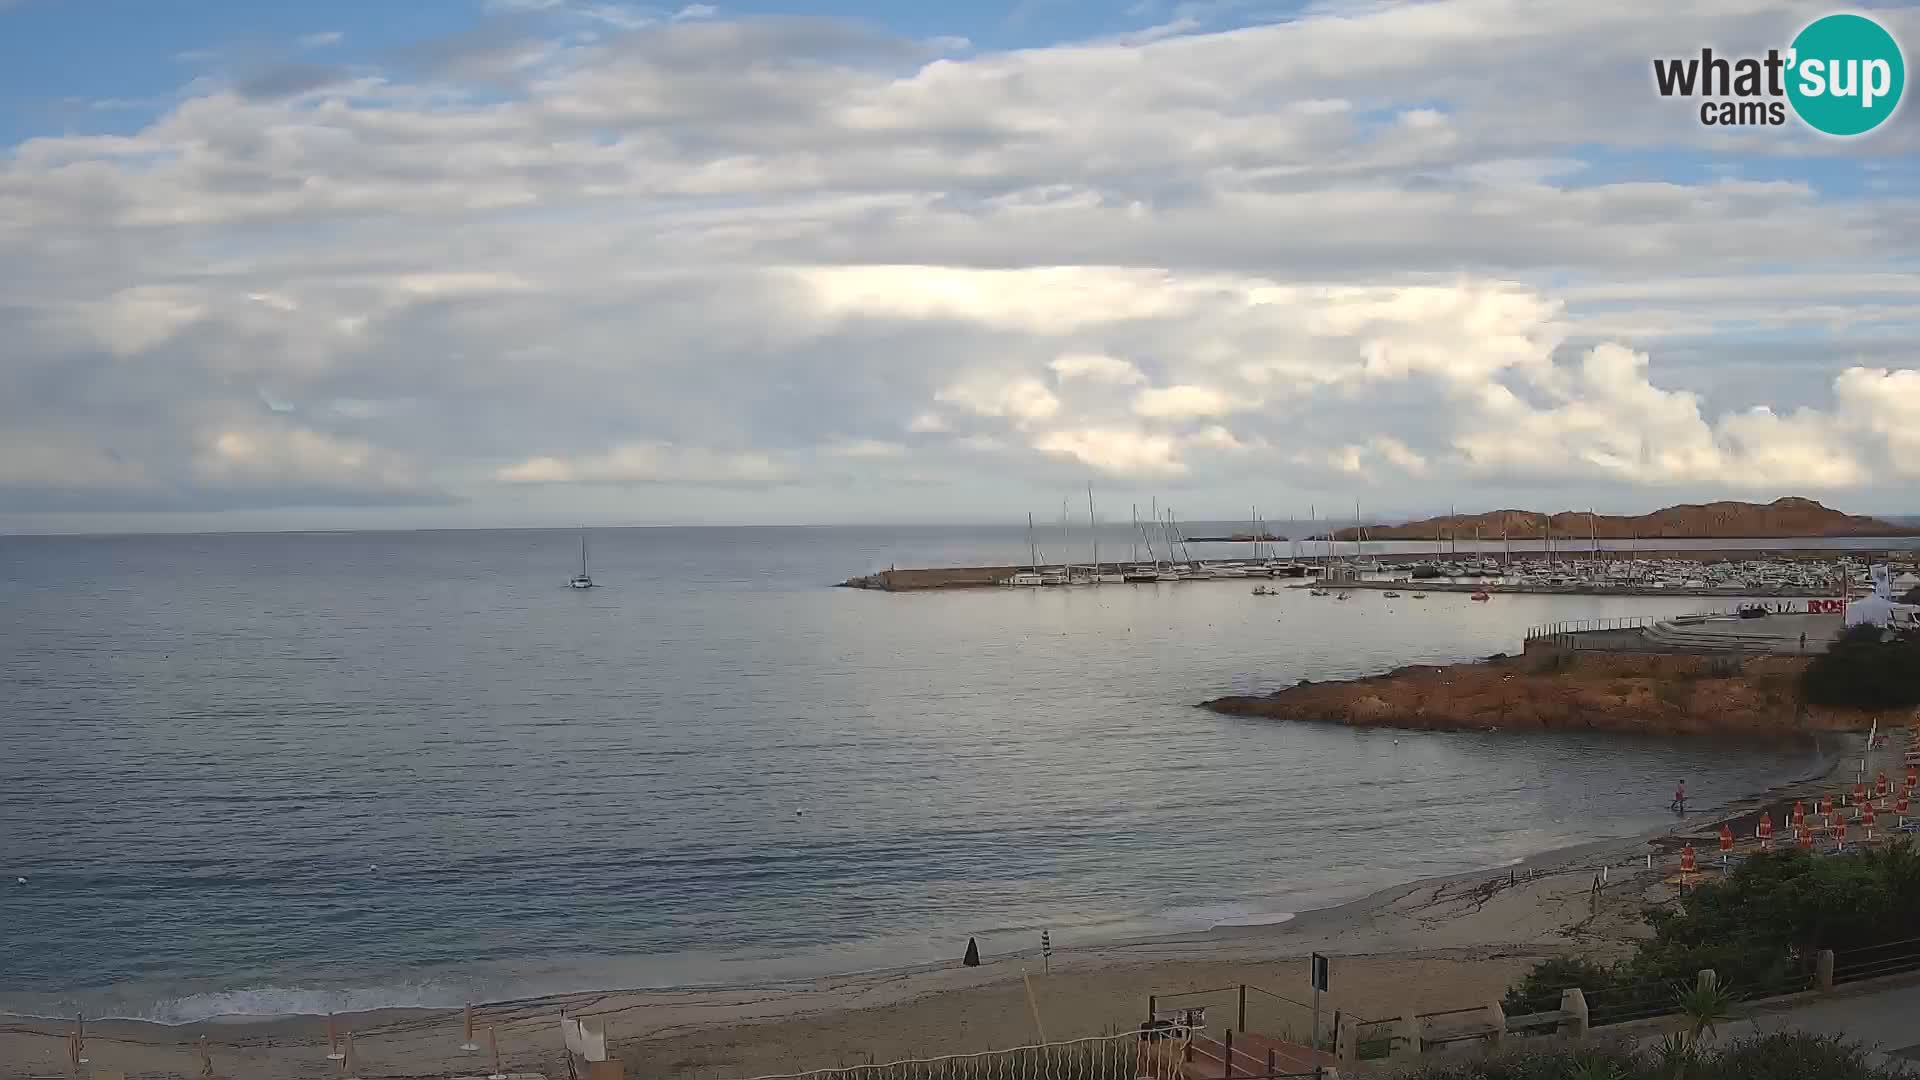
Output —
(1133, 534)
(1066, 565)
(1033, 549)
(583, 554)
(1093, 532)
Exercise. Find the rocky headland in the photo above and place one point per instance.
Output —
(1645, 693)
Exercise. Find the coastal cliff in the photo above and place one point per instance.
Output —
(1643, 693)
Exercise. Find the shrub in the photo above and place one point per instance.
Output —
(1782, 1056)
(1862, 671)
(1758, 929)
(1540, 990)
(1789, 1057)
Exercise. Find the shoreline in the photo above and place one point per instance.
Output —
(1465, 932)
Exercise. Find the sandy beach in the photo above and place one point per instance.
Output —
(1441, 943)
(1422, 946)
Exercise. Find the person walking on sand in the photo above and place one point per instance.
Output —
(1679, 798)
(1803, 641)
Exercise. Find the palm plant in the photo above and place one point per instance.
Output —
(1704, 1005)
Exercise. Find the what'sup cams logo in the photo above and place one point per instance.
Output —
(1842, 76)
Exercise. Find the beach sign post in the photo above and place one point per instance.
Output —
(1321, 979)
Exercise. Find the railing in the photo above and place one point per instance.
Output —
(1582, 626)
(1873, 961)
(1151, 1053)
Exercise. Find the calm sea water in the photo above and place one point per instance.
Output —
(273, 773)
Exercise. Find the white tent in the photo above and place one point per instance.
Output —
(1880, 611)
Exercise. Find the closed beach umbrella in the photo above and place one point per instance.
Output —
(1799, 814)
(1765, 832)
(1686, 859)
(1866, 820)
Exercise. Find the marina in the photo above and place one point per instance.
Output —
(1720, 573)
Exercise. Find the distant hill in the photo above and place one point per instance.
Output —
(1781, 518)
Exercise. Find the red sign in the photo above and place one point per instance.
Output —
(1827, 607)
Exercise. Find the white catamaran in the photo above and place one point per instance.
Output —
(581, 580)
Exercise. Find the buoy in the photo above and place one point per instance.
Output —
(972, 959)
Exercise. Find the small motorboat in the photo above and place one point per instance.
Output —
(1391, 595)
(1419, 596)
(1262, 590)
(1481, 596)
(1317, 592)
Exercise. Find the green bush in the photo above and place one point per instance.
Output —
(1540, 990)
(1759, 930)
(1862, 671)
(1783, 1056)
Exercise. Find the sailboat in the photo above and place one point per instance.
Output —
(581, 580)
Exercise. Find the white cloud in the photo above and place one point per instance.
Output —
(286, 455)
(628, 244)
(1023, 400)
(1182, 403)
(866, 448)
(1116, 451)
(649, 463)
(1097, 368)
(322, 39)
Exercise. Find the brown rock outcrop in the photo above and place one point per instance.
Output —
(1646, 693)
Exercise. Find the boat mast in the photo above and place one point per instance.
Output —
(1133, 534)
(583, 554)
(1033, 549)
(1093, 533)
(1066, 538)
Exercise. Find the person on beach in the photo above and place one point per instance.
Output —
(1679, 798)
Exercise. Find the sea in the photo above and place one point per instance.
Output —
(280, 773)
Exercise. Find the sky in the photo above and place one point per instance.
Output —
(470, 263)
